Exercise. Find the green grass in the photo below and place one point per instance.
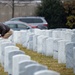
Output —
(2, 71)
(51, 63)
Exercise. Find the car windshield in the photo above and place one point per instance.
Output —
(31, 20)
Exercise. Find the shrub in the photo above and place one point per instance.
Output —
(71, 21)
(54, 13)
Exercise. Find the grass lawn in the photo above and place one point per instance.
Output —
(51, 63)
(2, 71)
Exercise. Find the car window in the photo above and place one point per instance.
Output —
(12, 25)
(22, 26)
(31, 20)
(14, 19)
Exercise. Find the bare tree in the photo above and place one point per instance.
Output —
(12, 8)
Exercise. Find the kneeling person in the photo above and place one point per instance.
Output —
(5, 31)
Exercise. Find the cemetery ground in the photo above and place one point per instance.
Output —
(51, 63)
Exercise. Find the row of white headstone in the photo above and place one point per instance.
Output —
(59, 43)
(16, 62)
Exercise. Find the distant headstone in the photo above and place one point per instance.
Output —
(30, 43)
(27, 39)
(40, 40)
(63, 35)
(56, 34)
(55, 48)
(69, 55)
(61, 51)
(68, 35)
(49, 47)
(37, 31)
(44, 45)
(73, 38)
(16, 36)
(35, 42)
(49, 33)
(22, 33)
(74, 59)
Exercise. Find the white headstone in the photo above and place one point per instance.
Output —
(32, 68)
(16, 36)
(22, 64)
(2, 40)
(74, 59)
(46, 72)
(27, 39)
(44, 45)
(40, 40)
(55, 48)
(63, 35)
(23, 36)
(61, 51)
(69, 55)
(35, 42)
(37, 31)
(3, 45)
(10, 55)
(49, 47)
(8, 49)
(56, 34)
(16, 59)
(49, 33)
(30, 42)
(73, 38)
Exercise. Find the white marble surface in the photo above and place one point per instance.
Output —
(32, 68)
(2, 40)
(16, 36)
(46, 72)
(74, 59)
(73, 38)
(35, 42)
(30, 42)
(16, 59)
(49, 47)
(10, 55)
(44, 48)
(69, 55)
(23, 64)
(61, 51)
(55, 47)
(39, 43)
(3, 45)
(8, 49)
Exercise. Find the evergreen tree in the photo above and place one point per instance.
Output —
(54, 13)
